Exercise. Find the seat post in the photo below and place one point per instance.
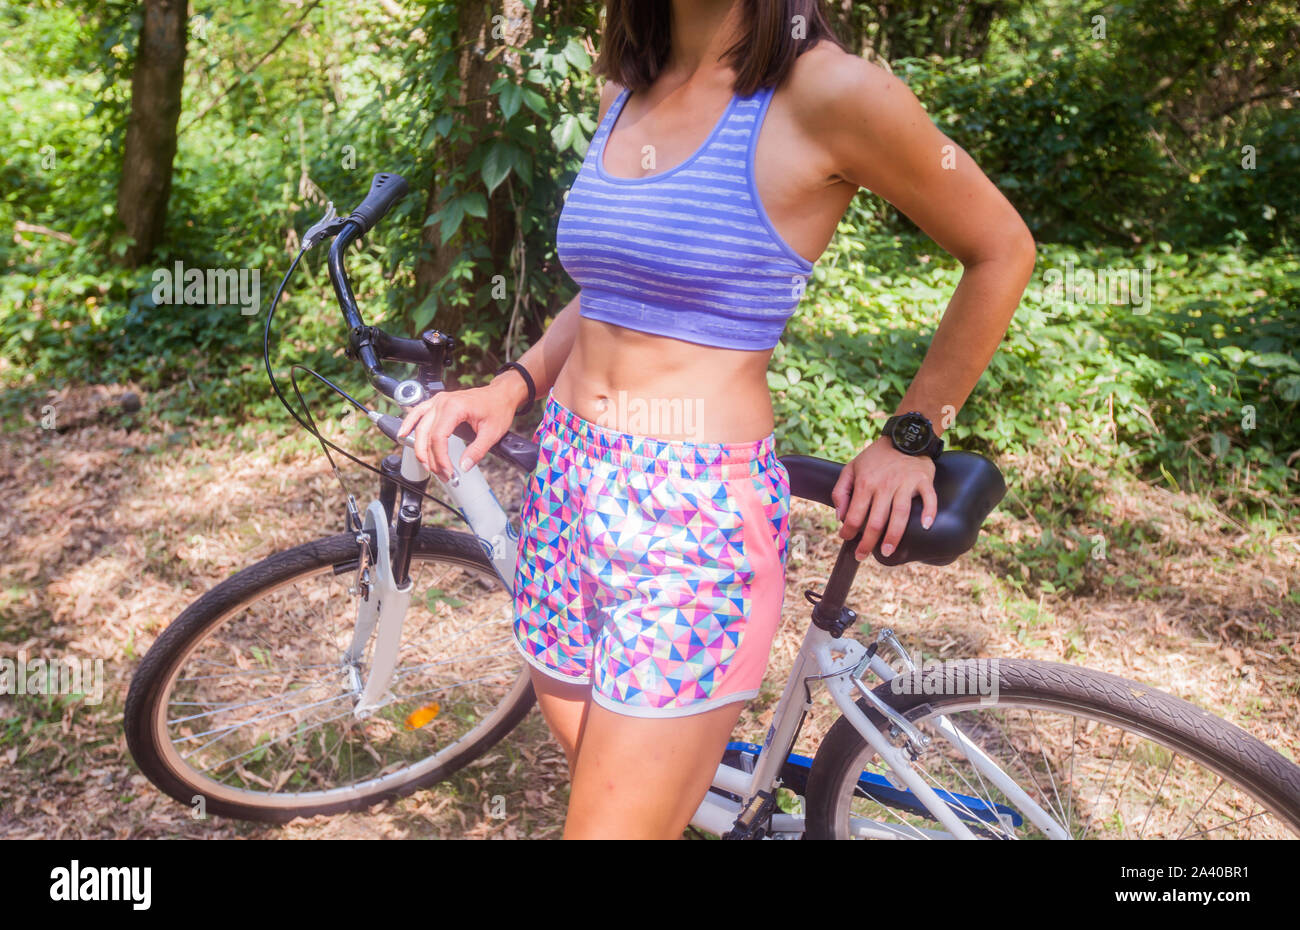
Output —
(829, 611)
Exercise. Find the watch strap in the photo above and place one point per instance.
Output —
(528, 381)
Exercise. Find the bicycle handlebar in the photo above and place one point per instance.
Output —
(362, 348)
(369, 344)
(385, 190)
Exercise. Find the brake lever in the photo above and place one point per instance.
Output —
(327, 225)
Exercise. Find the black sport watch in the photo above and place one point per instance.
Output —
(912, 434)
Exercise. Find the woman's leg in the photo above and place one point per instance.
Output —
(564, 707)
(656, 570)
(644, 778)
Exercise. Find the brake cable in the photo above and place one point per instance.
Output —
(310, 423)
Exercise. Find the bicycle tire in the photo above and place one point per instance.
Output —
(1252, 766)
(145, 703)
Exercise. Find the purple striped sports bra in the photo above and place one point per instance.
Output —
(688, 253)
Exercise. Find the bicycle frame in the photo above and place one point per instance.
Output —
(839, 664)
(386, 595)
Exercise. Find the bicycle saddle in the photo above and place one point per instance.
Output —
(967, 485)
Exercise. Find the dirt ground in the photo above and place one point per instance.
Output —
(109, 533)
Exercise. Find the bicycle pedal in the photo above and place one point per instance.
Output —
(754, 820)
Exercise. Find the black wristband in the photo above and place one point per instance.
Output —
(528, 380)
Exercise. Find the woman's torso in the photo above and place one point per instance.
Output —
(671, 388)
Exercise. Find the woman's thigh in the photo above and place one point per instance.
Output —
(564, 708)
(644, 777)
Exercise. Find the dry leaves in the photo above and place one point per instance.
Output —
(109, 534)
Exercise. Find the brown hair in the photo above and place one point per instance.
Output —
(637, 37)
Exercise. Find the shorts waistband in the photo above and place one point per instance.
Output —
(645, 453)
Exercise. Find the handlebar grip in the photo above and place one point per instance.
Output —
(385, 190)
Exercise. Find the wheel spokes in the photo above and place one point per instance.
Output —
(264, 702)
(1067, 763)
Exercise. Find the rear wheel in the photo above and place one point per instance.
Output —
(1102, 757)
(246, 703)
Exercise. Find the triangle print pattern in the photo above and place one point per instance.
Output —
(633, 571)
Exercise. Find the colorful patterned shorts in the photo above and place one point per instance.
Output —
(653, 570)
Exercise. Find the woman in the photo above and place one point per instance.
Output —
(732, 136)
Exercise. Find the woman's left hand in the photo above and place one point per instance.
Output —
(883, 480)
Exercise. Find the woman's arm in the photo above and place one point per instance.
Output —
(489, 409)
(878, 136)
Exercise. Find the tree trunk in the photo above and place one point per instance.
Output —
(151, 128)
(474, 35)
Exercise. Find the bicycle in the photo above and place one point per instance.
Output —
(317, 682)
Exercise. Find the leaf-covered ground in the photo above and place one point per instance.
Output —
(109, 532)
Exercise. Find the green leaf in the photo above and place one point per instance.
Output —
(440, 69)
(559, 67)
(535, 102)
(524, 166)
(451, 216)
(423, 315)
(565, 131)
(1288, 388)
(474, 204)
(577, 55)
(497, 164)
(510, 98)
(1275, 360)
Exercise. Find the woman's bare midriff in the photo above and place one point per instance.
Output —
(665, 388)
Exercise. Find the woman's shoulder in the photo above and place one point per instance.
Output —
(609, 92)
(827, 84)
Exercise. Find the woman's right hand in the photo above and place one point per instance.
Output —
(489, 410)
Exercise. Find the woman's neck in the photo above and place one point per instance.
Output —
(702, 32)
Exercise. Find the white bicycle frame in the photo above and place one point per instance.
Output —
(838, 663)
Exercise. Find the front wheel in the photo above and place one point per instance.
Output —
(1099, 756)
(245, 703)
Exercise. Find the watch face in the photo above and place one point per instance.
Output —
(912, 434)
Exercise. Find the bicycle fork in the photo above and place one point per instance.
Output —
(384, 585)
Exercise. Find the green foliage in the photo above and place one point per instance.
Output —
(1197, 391)
(249, 138)
(525, 143)
(1078, 146)
(1200, 382)
(1118, 170)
